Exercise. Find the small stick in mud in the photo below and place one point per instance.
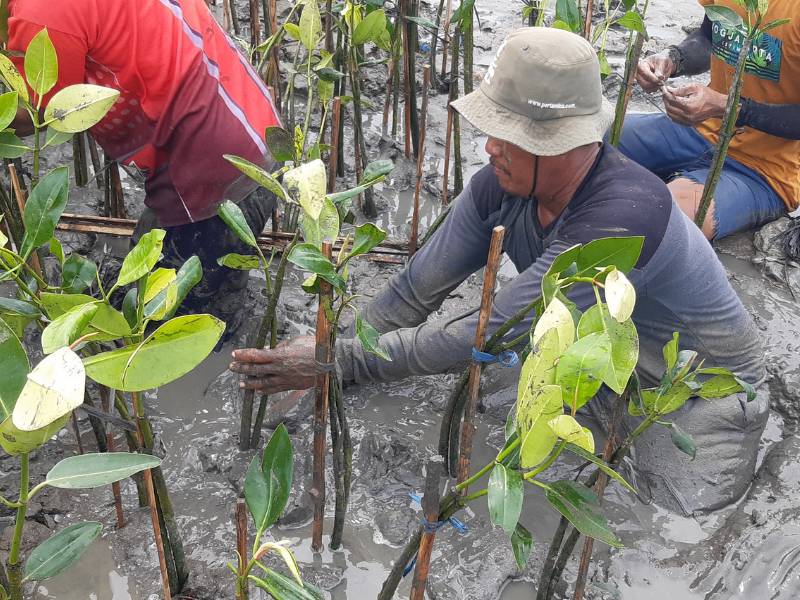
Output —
(408, 76)
(153, 503)
(77, 431)
(105, 403)
(587, 20)
(229, 7)
(241, 546)
(323, 356)
(96, 165)
(451, 120)
(446, 36)
(430, 506)
(36, 265)
(334, 151)
(414, 235)
(473, 387)
(79, 159)
(255, 24)
(117, 195)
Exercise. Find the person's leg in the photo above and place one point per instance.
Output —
(660, 145)
(726, 433)
(743, 200)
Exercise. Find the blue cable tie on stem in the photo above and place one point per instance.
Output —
(433, 527)
(507, 358)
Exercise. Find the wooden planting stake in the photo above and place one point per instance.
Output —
(323, 356)
(241, 546)
(473, 387)
(412, 240)
(430, 507)
(116, 194)
(387, 102)
(626, 88)
(20, 196)
(230, 12)
(447, 140)
(105, 403)
(334, 151)
(77, 431)
(79, 159)
(407, 76)
(446, 40)
(255, 24)
(587, 20)
(153, 503)
(96, 165)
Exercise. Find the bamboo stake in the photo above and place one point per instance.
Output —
(36, 265)
(117, 195)
(430, 506)
(387, 102)
(406, 78)
(255, 24)
(230, 11)
(412, 240)
(77, 431)
(446, 40)
(450, 121)
(105, 403)
(96, 166)
(626, 88)
(727, 131)
(241, 546)
(323, 355)
(587, 20)
(473, 387)
(335, 141)
(151, 500)
(435, 37)
(79, 159)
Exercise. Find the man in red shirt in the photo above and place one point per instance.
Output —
(187, 96)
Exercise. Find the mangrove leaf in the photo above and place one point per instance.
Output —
(78, 107)
(505, 494)
(67, 328)
(521, 544)
(41, 64)
(57, 553)
(141, 260)
(78, 274)
(581, 368)
(98, 469)
(43, 209)
(576, 503)
(14, 367)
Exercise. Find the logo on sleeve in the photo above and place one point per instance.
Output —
(764, 60)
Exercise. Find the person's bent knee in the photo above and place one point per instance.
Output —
(687, 194)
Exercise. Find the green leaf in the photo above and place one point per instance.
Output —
(521, 544)
(306, 186)
(243, 262)
(534, 412)
(370, 28)
(13, 78)
(235, 219)
(78, 107)
(671, 400)
(14, 366)
(98, 469)
(292, 30)
(576, 503)
(78, 274)
(568, 12)
(285, 588)
(53, 137)
(67, 328)
(602, 465)
(723, 15)
(256, 492)
(624, 340)
(11, 146)
(621, 252)
(60, 551)
(367, 237)
(682, 440)
(505, 497)
(171, 351)
(109, 322)
(8, 108)
(41, 63)
(277, 467)
(369, 338)
(18, 308)
(324, 227)
(165, 303)
(309, 258)
(15, 441)
(44, 208)
(632, 21)
(422, 22)
(376, 169)
(670, 352)
(54, 389)
(773, 24)
(555, 317)
(189, 275)
(257, 174)
(141, 260)
(719, 387)
(310, 24)
(539, 368)
(581, 369)
(280, 144)
(620, 296)
(565, 260)
(569, 430)
(57, 250)
(748, 389)
(156, 282)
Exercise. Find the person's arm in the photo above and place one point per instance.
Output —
(780, 120)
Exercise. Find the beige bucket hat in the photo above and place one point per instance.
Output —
(542, 93)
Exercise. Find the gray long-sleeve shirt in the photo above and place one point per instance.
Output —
(680, 283)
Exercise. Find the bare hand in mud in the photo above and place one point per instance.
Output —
(289, 366)
(652, 72)
(693, 104)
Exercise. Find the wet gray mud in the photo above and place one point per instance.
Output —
(750, 550)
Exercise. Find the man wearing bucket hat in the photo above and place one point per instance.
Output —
(552, 183)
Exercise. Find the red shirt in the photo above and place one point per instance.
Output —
(187, 95)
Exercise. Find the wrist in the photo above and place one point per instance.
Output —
(675, 56)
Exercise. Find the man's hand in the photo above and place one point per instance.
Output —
(290, 366)
(693, 104)
(652, 72)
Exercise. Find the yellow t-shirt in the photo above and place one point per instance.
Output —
(772, 76)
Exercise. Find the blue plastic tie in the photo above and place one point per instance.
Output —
(507, 358)
(430, 527)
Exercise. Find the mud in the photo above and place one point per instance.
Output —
(751, 550)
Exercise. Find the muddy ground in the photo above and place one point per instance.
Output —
(751, 550)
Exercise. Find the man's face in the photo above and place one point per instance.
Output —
(513, 167)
